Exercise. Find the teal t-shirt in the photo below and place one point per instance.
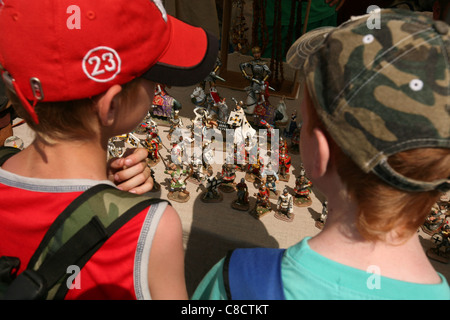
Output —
(309, 275)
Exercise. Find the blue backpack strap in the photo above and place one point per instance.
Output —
(254, 274)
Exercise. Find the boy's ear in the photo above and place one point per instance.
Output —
(106, 107)
(321, 156)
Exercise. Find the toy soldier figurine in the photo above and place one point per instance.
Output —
(260, 72)
(175, 123)
(163, 104)
(152, 131)
(270, 179)
(253, 171)
(323, 217)
(228, 177)
(285, 206)
(288, 132)
(284, 165)
(242, 202)
(441, 251)
(433, 222)
(176, 154)
(152, 146)
(208, 153)
(262, 205)
(116, 147)
(212, 193)
(197, 172)
(219, 108)
(302, 190)
(283, 144)
(208, 122)
(213, 76)
(239, 123)
(295, 140)
(177, 191)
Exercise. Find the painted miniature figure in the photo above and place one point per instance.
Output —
(116, 147)
(212, 193)
(175, 124)
(177, 189)
(208, 124)
(437, 218)
(153, 131)
(197, 176)
(433, 222)
(219, 108)
(262, 206)
(284, 165)
(164, 105)
(441, 250)
(228, 177)
(283, 144)
(295, 140)
(302, 191)
(237, 121)
(285, 207)
(213, 76)
(133, 140)
(289, 131)
(208, 153)
(176, 153)
(241, 203)
(152, 146)
(253, 170)
(270, 179)
(259, 73)
(269, 127)
(200, 99)
(14, 141)
(320, 222)
(238, 156)
(281, 118)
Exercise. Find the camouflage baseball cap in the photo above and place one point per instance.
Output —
(381, 90)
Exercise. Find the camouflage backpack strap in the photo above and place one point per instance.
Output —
(6, 153)
(78, 232)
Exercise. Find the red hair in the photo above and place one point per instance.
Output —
(383, 208)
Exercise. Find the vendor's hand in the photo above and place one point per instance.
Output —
(130, 172)
(339, 3)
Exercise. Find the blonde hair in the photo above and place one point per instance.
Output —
(68, 120)
(381, 207)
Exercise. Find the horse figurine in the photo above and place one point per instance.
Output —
(281, 117)
(163, 104)
(199, 97)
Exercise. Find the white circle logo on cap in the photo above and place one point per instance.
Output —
(102, 64)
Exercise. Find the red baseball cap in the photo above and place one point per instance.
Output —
(60, 50)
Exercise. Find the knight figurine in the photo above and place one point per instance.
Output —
(285, 206)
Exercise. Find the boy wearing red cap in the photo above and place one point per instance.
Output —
(80, 72)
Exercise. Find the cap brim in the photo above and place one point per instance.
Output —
(189, 58)
(304, 46)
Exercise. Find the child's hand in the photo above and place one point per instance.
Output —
(130, 172)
